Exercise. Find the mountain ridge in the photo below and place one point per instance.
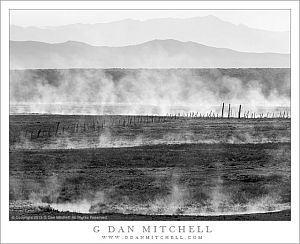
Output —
(208, 30)
(151, 54)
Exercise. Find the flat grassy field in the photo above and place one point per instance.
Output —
(146, 168)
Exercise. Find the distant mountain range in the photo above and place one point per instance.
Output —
(152, 54)
(208, 30)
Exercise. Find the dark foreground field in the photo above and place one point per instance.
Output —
(204, 169)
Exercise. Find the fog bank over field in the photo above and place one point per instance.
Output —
(161, 88)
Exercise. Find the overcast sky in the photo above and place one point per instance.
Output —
(274, 20)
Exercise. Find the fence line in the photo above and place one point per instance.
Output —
(99, 124)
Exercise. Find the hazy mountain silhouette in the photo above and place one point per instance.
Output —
(208, 30)
(152, 54)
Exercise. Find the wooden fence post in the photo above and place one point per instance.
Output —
(57, 128)
(240, 108)
(222, 110)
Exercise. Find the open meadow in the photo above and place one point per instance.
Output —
(115, 167)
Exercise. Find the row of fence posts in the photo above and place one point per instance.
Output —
(96, 126)
(284, 115)
(281, 115)
(134, 120)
